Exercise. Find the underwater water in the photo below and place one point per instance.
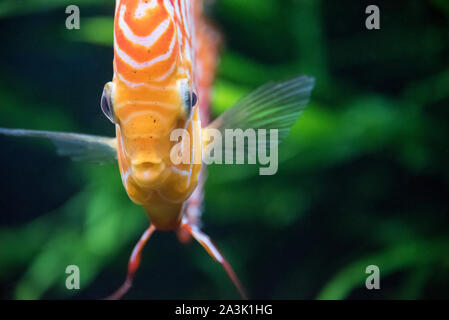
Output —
(363, 177)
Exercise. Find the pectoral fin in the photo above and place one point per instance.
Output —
(79, 147)
(272, 106)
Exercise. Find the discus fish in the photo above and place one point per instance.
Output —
(165, 53)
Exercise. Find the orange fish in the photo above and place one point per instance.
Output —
(165, 53)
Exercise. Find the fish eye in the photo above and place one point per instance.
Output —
(106, 102)
(190, 100)
(188, 96)
(194, 99)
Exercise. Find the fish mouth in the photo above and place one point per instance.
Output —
(149, 174)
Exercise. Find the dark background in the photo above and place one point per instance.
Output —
(363, 177)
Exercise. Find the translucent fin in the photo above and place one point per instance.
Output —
(80, 147)
(272, 106)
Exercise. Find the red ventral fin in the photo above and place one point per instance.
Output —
(133, 265)
(213, 251)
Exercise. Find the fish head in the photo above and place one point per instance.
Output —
(152, 95)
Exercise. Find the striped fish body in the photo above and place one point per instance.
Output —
(152, 93)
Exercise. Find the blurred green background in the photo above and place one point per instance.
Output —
(363, 177)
